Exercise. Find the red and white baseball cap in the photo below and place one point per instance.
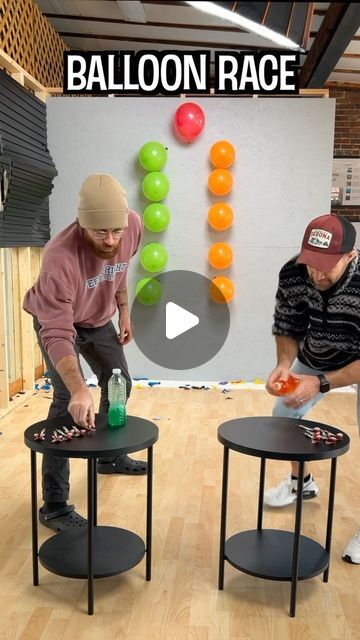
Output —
(325, 241)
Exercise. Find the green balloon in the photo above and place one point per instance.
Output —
(152, 156)
(155, 186)
(156, 217)
(153, 257)
(148, 291)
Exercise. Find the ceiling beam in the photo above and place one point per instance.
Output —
(354, 71)
(151, 41)
(313, 35)
(336, 31)
(307, 26)
(168, 2)
(342, 85)
(166, 25)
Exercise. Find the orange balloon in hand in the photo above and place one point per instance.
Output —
(220, 255)
(282, 387)
(220, 216)
(221, 290)
(220, 182)
(222, 154)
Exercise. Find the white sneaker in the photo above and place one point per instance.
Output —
(351, 552)
(286, 492)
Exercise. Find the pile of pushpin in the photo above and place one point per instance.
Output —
(63, 434)
(321, 435)
(60, 435)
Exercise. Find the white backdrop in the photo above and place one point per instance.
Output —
(282, 179)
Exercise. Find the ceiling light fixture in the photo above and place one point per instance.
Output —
(230, 16)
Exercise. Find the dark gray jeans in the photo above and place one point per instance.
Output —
(100, 348)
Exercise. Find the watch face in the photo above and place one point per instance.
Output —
(324, 384)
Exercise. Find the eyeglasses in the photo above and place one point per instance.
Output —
(101, 234)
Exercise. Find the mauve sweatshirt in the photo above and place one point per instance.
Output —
(76, 287)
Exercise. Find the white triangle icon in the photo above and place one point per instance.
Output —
(178, 320)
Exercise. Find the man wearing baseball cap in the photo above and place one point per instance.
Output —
(81, 283)
(317, 332)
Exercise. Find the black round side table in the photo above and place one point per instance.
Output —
(93, 551)
(270, 553)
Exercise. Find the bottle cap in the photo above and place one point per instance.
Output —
(116, 370)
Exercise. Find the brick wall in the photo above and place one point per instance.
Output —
(347, 135)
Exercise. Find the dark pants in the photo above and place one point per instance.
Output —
(103, 353)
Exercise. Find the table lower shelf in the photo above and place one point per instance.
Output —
(268, 554)
(115, 550)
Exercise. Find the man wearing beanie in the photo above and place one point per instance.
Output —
(317, 332)
(83, 279)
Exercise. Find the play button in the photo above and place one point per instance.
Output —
(178, 320)
(185, 328)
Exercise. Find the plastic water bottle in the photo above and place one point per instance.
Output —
(283, 387)
(117, 399)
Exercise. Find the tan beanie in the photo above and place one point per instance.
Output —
(103, 203)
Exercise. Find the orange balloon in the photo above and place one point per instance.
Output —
(220, 216)
(220, 255)
(220, 182)
(221, 290)
(222, 154)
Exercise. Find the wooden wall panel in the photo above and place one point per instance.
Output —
(27, 338)
(17, 311)
(4, 380)
(15, 322)
(9, 312)
(35, 259)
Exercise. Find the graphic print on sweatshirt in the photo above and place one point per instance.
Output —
(108, 273)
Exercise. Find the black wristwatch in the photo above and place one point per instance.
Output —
(324, 383)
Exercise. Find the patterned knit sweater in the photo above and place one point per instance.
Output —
(326, 325)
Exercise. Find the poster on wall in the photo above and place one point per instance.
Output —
(345, 189)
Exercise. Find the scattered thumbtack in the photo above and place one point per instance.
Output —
(89, 428)
(307, 435)
(56, 437)
(317, 435)
(68, 435)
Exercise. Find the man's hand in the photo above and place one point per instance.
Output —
(281, 371)
(125, 328)
(306, 390)
(81, 408)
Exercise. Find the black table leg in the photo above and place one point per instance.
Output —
(90, 515)
(149, 512)
(330, 515)
(34, 522)
(295, 561)
(95, 494)
(223, 517)
(261, 494)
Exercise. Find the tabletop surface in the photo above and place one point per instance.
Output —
(279, 438)
(135, 435)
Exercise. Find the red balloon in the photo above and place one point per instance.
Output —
(189, 121)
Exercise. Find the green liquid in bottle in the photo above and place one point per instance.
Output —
(116, 416)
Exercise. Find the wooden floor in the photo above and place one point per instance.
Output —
(182, 601)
